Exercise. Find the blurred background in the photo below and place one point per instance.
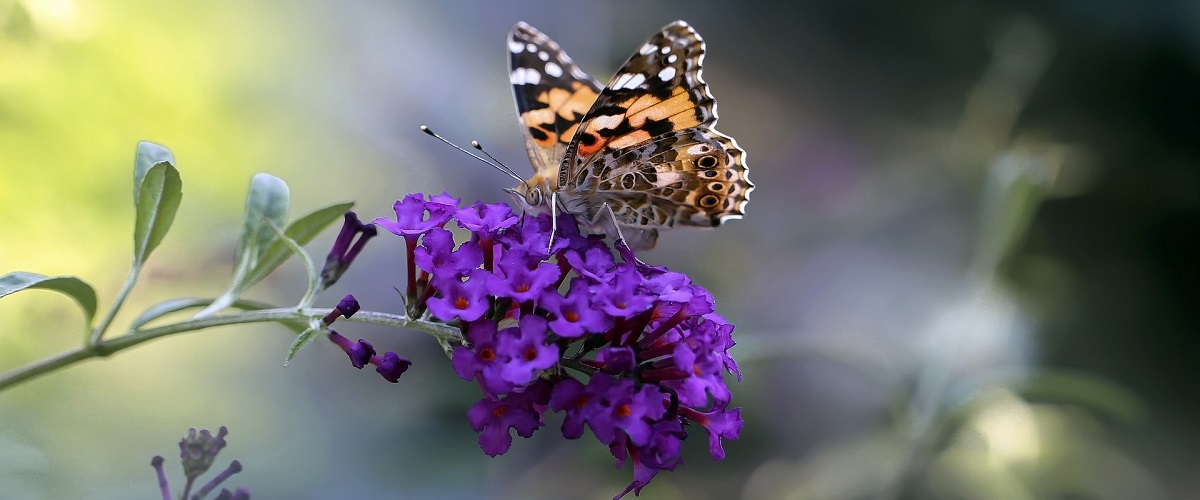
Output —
(966, 271)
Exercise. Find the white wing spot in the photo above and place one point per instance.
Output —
(515, 47)
(553, 69)
(665, 50)
(672, 58)
(543, 56)
(604, 122)
(629, 81)
(531, 47)
(666, 74)
(522, 76)
(647, 49)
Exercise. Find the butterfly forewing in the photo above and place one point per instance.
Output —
(657, 91)
(551, 92)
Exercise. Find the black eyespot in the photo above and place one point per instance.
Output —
(628, 181)
(709, 173)
(709, 201)
(707, 161)
(716, 186)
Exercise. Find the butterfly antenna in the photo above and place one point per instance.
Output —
(496, 165)
(507, 170)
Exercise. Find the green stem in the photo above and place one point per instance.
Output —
(98, 332)
(105, 348)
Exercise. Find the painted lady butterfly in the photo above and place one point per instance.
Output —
(636, 156)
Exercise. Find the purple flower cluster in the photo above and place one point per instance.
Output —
(634, 352)
(197, 451)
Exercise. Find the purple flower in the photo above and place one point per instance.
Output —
(437, 255)
(345, 308)
(415, 216)
(359, 352)
(492, 419)
(532, 234)
(595, 262)
(391, 366)
(445, 199)
(573, 315)
(670, 287)
(343, 253)
(719, 423)
(411, 223)
(526, 350)
(661, 454)
(616, 360)
(571, 396)
(622, 298)
(486, 219)
(521, 277)
(626, 408)
(465, 300)
(483, 360)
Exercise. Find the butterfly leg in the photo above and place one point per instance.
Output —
(553, 219)
(612, 217)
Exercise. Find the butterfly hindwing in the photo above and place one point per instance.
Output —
(690, 177)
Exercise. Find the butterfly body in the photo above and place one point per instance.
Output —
(632, 157)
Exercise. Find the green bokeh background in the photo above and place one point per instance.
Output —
(966, 271)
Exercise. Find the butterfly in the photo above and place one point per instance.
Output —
(635, 156)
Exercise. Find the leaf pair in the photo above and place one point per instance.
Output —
(157, 191)
(263, 246)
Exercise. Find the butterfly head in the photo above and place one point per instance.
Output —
(532, 196)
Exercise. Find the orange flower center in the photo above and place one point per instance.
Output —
(623, 411)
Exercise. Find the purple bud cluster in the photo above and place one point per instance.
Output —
(391, 366)
(197, 452)
(561, 322)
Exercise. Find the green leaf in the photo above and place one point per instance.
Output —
(1086, 390)
(80, 290)
(1017, 184)
(302, 340)
(267, 202)
(266, 205)
(301, 231)
(309, 266)
(157, 191)
(175, 305)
